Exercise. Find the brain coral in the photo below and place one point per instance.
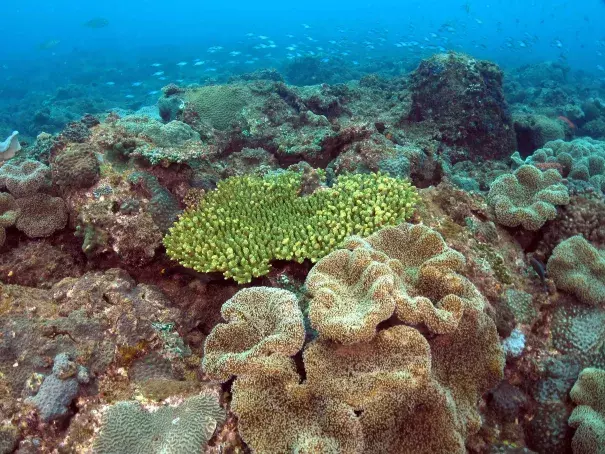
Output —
(528, 197)
(579, 268)
(219, 105)
(588, 418)
(183, 429)
(249, 221)
(399, 389)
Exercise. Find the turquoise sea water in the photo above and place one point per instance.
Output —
(47, 44)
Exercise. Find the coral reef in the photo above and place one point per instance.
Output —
(59, 388)
(462, 330)
(10, 146)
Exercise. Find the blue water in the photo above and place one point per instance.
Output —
(46, 46)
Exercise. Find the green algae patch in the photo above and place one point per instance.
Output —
(248, 221)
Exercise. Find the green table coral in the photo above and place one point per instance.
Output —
(249, 221)
(527, 197)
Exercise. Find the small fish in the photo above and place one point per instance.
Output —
(235, 53)
(137, 84)
(50, 44)
(199, 63)
(97, 22)
(156, 65)
(305, 26)
(129, 96)
(111, 84)
(158, 73)
(325, 60)
(600, 68)
(249, 34)
(182, 63)
(162, 78)
(211, 70)
(153, 92)
(263, 37)
(538, 267)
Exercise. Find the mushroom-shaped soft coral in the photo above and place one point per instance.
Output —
(527, 197)
(25, 178)
(264, 328)
(588, 418)
(577, 267)
(407, 270)
(9, 212)
(352, 292)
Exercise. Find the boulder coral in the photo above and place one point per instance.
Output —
(390, 388)
(588, 418)
(528, 197)
(578, 267)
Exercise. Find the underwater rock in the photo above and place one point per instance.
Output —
(462, 99)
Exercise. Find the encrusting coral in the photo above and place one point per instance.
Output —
(249, 221)
(393, 390)
(527, 197)
(579, 268)
(588, 418)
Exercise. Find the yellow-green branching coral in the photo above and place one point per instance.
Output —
(248, 221)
